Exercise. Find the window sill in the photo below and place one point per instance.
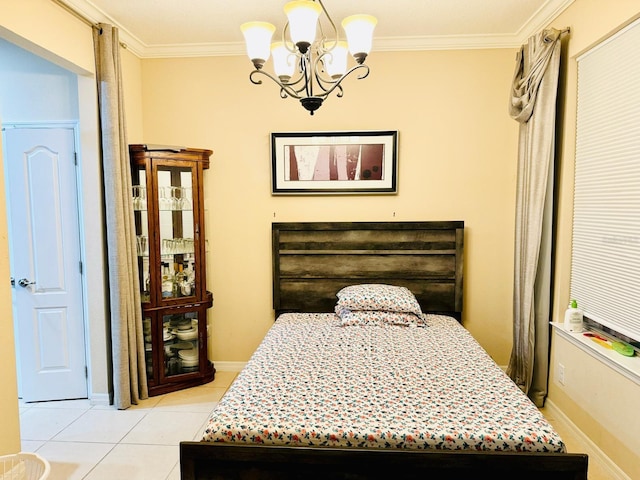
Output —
(627, 366)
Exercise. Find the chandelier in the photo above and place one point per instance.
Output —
(309, 68)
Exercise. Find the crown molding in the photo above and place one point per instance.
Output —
(539, 20)
(395, 44)
(542, 18)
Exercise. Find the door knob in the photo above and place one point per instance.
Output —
(23, 282)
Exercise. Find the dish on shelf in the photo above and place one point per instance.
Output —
(190, 334)
(185, 325)
(188, 357)
(188, 354)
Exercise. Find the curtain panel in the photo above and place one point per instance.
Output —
(533, 105)
(127, 341)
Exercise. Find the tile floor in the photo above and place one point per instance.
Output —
(81, 441)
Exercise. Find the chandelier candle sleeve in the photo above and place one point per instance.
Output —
(306, 67)
(257, 36)
(335, 61)
(359, 30)
(303, 18)
(284, 61)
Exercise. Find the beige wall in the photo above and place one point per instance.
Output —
(457, 161)
(9, 419)
(601, 402)
(132, 78)
(43, 28)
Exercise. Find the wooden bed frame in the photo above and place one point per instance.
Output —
(311, 262)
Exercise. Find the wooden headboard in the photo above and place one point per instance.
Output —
(312, 261)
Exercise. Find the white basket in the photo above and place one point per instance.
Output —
(24, 466)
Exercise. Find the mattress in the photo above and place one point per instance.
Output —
(314, 382)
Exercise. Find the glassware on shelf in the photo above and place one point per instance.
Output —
(167, 281)
(141, 245)
(179, 282)
(139, 197)
(186, 198)
(190, 279)
(177, 246)
(175, 198)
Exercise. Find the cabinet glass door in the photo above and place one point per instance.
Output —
(180, 340)
(141, 215)
(177, 233)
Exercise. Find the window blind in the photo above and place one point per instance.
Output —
(605, 269)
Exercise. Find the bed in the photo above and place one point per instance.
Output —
(345, 388)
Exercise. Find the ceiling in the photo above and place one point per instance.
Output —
(166, 28)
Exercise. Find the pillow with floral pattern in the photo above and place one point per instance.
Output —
(380, 297)
(378, 318)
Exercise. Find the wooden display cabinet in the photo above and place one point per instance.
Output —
(169, 219)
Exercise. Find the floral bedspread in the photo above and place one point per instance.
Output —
(313, 382)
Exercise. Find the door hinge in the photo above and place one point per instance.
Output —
(80, 265)
(75, 158)
(86, 372)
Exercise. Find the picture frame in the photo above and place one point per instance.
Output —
(342, 162)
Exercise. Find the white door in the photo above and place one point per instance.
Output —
(45, 263)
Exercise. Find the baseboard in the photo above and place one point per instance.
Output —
(229, 366)
(100, 399)
(613, 471)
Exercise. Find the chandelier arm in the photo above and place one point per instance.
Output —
(286, 44)
(284, 88)
(318, 70)
(333, 26)
(291, 84)
(305, 65)
(337, 85)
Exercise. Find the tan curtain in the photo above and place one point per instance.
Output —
(533, 105)
(129, 372)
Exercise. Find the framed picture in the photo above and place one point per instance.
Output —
(334, 162)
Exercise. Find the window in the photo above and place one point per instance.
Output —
(605, 272)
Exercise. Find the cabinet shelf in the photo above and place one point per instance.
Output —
(169, 219)
(175, 209)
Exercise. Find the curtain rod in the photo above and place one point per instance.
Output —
(74, 12)
(81, 17)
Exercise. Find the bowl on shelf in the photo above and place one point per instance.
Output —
(190, 334)
(167, 337)
(188, 358)
(184, 324)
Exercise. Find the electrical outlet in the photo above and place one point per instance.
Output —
(560, 374)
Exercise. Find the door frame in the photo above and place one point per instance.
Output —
(87, 116)
(74, 126)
